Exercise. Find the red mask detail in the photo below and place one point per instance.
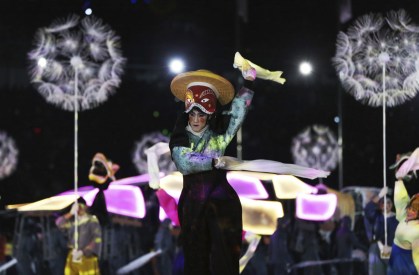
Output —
(202, 97)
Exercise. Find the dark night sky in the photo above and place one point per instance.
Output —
(206, 33)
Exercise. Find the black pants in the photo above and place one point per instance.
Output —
(210, 216)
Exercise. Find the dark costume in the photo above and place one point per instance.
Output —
(209, 209)
(346, 241)
(279, 257)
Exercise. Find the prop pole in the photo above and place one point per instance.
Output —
(76, 156)
(384, 57)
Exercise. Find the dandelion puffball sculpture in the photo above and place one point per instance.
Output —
(139, 157)
(379, 54)
(377, 61)
(76, 63)
(8, 155)
(316, 147)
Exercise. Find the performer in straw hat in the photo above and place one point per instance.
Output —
(210, 212)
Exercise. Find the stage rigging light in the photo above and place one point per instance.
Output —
(176, 65)
(305, 68)
(88, 11)
(42, 62)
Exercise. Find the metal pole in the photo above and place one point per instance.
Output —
(241, 10)
(76, 128)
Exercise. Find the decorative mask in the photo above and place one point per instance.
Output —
(202, 97)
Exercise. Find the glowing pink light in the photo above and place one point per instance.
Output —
(315, 207)
(123, 200)
(247, 186)
(168, 205)
(81, 191)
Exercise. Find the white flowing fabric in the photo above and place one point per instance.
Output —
(411, 164)
(137, 263)
(153, 153)
(270, 166)
(253, 240)
(7, 265)
(233, 164)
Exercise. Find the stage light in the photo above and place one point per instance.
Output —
(315, 207)
(305, 68)
(176, 66)
(42, 62)
(336, 119)
(88, 11)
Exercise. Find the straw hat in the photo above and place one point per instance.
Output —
(221, 86)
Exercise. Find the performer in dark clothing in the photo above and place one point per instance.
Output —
(209, 209)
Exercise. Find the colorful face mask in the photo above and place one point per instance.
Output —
(202, 97)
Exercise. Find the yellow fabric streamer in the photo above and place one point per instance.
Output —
(248, 68)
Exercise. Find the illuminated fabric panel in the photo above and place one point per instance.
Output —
(55, 203)
(168, 207)
(288, 187)
(260, 217)
(315, 207)
(247, 186)
(125, 200)
(172, 184)
(81, 191)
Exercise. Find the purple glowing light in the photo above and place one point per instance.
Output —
(315, 207)
(81, 191)
(247, 186)
(125, 200)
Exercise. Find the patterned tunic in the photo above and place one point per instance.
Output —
(202, 150)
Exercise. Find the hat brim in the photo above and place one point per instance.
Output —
(180, 83)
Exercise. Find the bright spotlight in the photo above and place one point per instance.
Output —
(176, 66)
(88, 11)
(42, 62)
(336, 119)
(305, 68)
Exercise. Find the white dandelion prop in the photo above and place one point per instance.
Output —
(316, 147)
(76, 65)
(377, 62)
(8, 155)
(377, 59)
(139, 157)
